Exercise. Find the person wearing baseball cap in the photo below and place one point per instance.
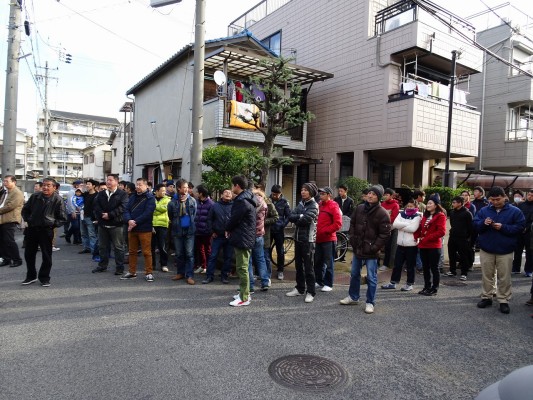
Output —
(329, 222)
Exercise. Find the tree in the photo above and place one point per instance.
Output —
(226, 162)
(281, 106)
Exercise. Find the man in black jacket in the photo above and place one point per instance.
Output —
(461, 223)
(43, 212)
(277, 231)
(109, 206)
(240, 229)
(305, 217)
(524, 240)
(345, 202)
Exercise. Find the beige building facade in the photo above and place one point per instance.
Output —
(384, 115)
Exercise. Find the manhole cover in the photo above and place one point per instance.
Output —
(307, 373)
(453, 283)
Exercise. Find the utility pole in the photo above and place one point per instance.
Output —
(46, 132)
(453, 77)
(198, 94)
(12, 75)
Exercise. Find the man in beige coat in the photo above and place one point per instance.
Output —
(10, 207)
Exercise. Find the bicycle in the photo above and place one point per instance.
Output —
(288, 250)
(341, 247)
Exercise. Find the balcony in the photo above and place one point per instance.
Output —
(254, 14)
(419, 127)
(407, 31)
(217, 127)
(519, 89)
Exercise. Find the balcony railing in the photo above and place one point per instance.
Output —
(405, 11)
(519, 134)
(254, 14)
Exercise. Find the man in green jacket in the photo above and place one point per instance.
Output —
(160, 226)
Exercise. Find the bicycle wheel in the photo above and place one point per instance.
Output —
(288, 249)
(342, 246)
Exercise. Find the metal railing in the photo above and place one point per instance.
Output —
(254, 14)
(519, 134)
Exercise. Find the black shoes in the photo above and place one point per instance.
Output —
(99, 269)
(207, 280)
(485, 303)
(119, 272)
(16, 264)
(504, 308)
(224, 280)
(45, 284)
(424, 291)
(431, 292)
(28, 281)
(84, 251)
(5, 263)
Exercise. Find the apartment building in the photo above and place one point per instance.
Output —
(69, 134)
(24, 152)
(384, 115)
(163, 103)
(505, 94)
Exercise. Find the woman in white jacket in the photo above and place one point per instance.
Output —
(406, 224)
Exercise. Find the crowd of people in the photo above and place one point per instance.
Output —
(118, 220)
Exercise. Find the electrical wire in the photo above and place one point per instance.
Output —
(111, 32)
(516, 31)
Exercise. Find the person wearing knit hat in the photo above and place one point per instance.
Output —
(378, 190)
(311, 188)
(305, 216)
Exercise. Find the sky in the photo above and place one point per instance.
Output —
(114, 44)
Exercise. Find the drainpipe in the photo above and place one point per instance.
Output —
(329, 172)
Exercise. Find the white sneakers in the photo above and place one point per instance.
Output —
(309, 298)
(293, 293)
(200, 270)
(239, 303)
(383, 268)
(347, 301)
(164, 269)
(326, 289)
(369, 308)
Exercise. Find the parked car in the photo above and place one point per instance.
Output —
(64, 188)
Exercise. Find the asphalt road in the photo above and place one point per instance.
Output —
(92, 336)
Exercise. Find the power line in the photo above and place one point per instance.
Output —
(111, 32)
(468, 39)
(516, 31)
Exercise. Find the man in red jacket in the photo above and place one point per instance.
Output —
(329, 222)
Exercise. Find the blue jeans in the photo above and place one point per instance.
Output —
(324, 263)
(88, 234)
(184, 246)
(220, 242)
(371, 278)
(258, 259)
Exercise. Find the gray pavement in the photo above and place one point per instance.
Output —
(92, 336)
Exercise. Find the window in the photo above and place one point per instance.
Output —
(86, 159)
(520, 122)
(346, 165)
(62, 126)
(400, 13)
(273, 42)
(91, 158)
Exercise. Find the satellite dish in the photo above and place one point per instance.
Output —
(220, 78)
